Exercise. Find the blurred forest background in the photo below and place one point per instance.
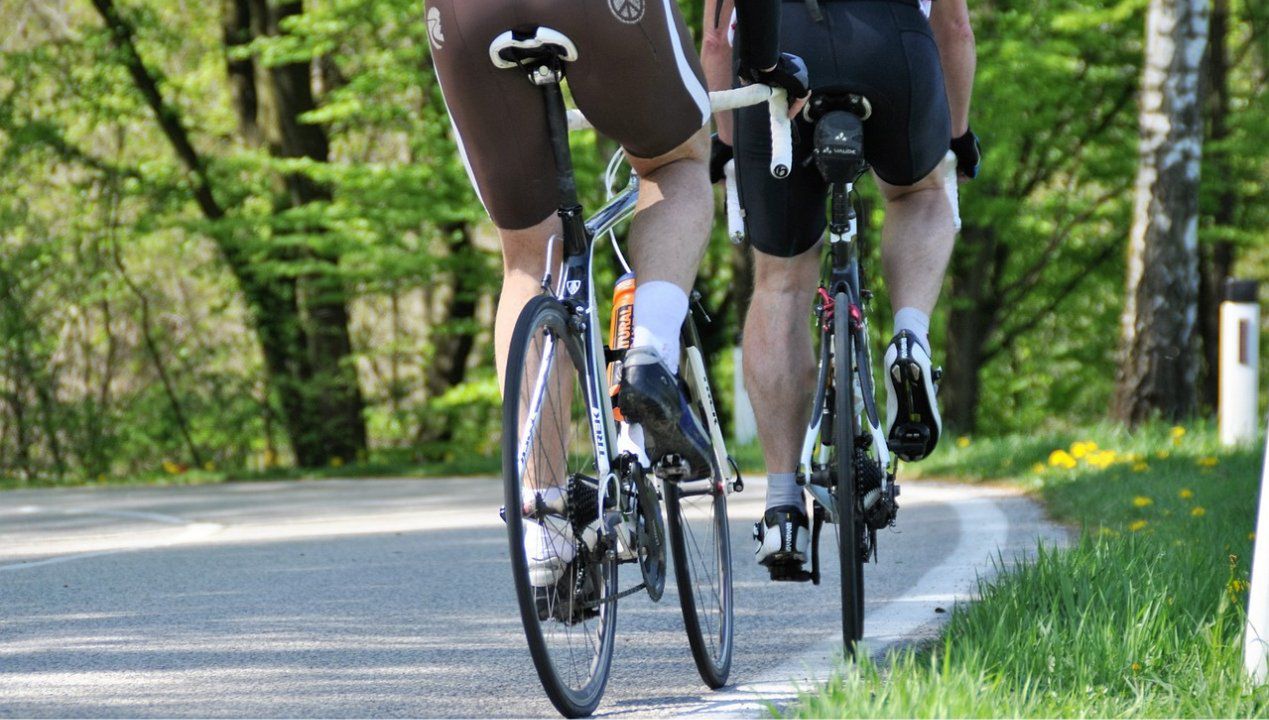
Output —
(236, 235)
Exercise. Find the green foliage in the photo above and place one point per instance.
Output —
(1141, 618)
(136, 327)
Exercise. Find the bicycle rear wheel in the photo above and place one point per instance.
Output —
(849, 523)
(550, 481)
(700, 537)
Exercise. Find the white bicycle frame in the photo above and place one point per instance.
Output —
(603, 426)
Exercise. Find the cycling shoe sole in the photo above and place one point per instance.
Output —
(915, 435)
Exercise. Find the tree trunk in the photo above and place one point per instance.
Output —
(1159, 362)
(971, 320)
(1217, 258)
(302, 324)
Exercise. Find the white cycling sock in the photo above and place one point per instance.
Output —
(915, 322)
(659, 310)
(783, 489)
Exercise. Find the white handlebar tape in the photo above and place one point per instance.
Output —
(781, 134)
(724, 100)
(735, 219)
(778, 105)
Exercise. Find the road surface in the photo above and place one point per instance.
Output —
(339, 598)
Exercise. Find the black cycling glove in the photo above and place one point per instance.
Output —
(720, 153)
(968, 153)
(789, 73)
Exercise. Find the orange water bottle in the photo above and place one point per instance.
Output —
(621, 330)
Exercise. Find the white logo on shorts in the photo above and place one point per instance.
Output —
(434, 27)
(627, 11)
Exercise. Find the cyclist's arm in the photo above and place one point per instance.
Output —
(716, 57)
(950, 22)
(758, 32)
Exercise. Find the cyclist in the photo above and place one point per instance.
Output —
(917, 74)
(637, 80)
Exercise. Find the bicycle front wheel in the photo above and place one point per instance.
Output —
(566, 583)
(700, 537)
(849, 523)
(699, 541)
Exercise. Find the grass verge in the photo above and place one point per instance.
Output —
(1142, 617)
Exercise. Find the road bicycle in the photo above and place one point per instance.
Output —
(562, 466)
(846, 461)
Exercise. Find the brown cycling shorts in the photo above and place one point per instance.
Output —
(636, 77)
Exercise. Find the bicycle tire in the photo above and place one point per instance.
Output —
(708, 621)
(700, 543)
(848, 521)
(541, 332)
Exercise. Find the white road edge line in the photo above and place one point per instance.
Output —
(984, 527)
(192, 531)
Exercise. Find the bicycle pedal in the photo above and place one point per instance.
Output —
(909, 440)
(672, 468)
(788, 572)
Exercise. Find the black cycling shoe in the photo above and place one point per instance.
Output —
(912, 410)
(782, 536)
(650, 396)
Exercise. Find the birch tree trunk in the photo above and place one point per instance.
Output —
(1159, 365)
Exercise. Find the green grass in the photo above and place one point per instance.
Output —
(1141, 618)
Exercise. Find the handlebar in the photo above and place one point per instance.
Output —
(724, 100)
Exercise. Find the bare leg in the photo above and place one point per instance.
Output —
(778, 358)
(916, 241)
(523, 261)
(674, 214)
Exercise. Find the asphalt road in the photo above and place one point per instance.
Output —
(356, 598)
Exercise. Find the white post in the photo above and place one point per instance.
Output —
(1239, 362)
(1256, 635)
(743, 422)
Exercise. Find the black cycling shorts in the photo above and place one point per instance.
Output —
(882, 49)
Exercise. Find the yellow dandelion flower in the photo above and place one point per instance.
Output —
(1082, 448)
(1208, 461)
(1137, 525)
(1142, 501)
(1136, 667)
(1062, 459)
(1177, 433)
(1162, 454)
(1037, 468)
(1101, 459)
(962, 441)
(1140, 467)
(1198, 512)
(1186, 493)
(336, 461)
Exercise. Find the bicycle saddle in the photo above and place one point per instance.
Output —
(526, 46)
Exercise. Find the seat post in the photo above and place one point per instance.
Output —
(570, 210)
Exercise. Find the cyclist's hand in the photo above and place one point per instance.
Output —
(720, 154)
(789, 73)
(968, 153)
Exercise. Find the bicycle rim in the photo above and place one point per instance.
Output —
(848, 521)
(546, 441)
(700, 543)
